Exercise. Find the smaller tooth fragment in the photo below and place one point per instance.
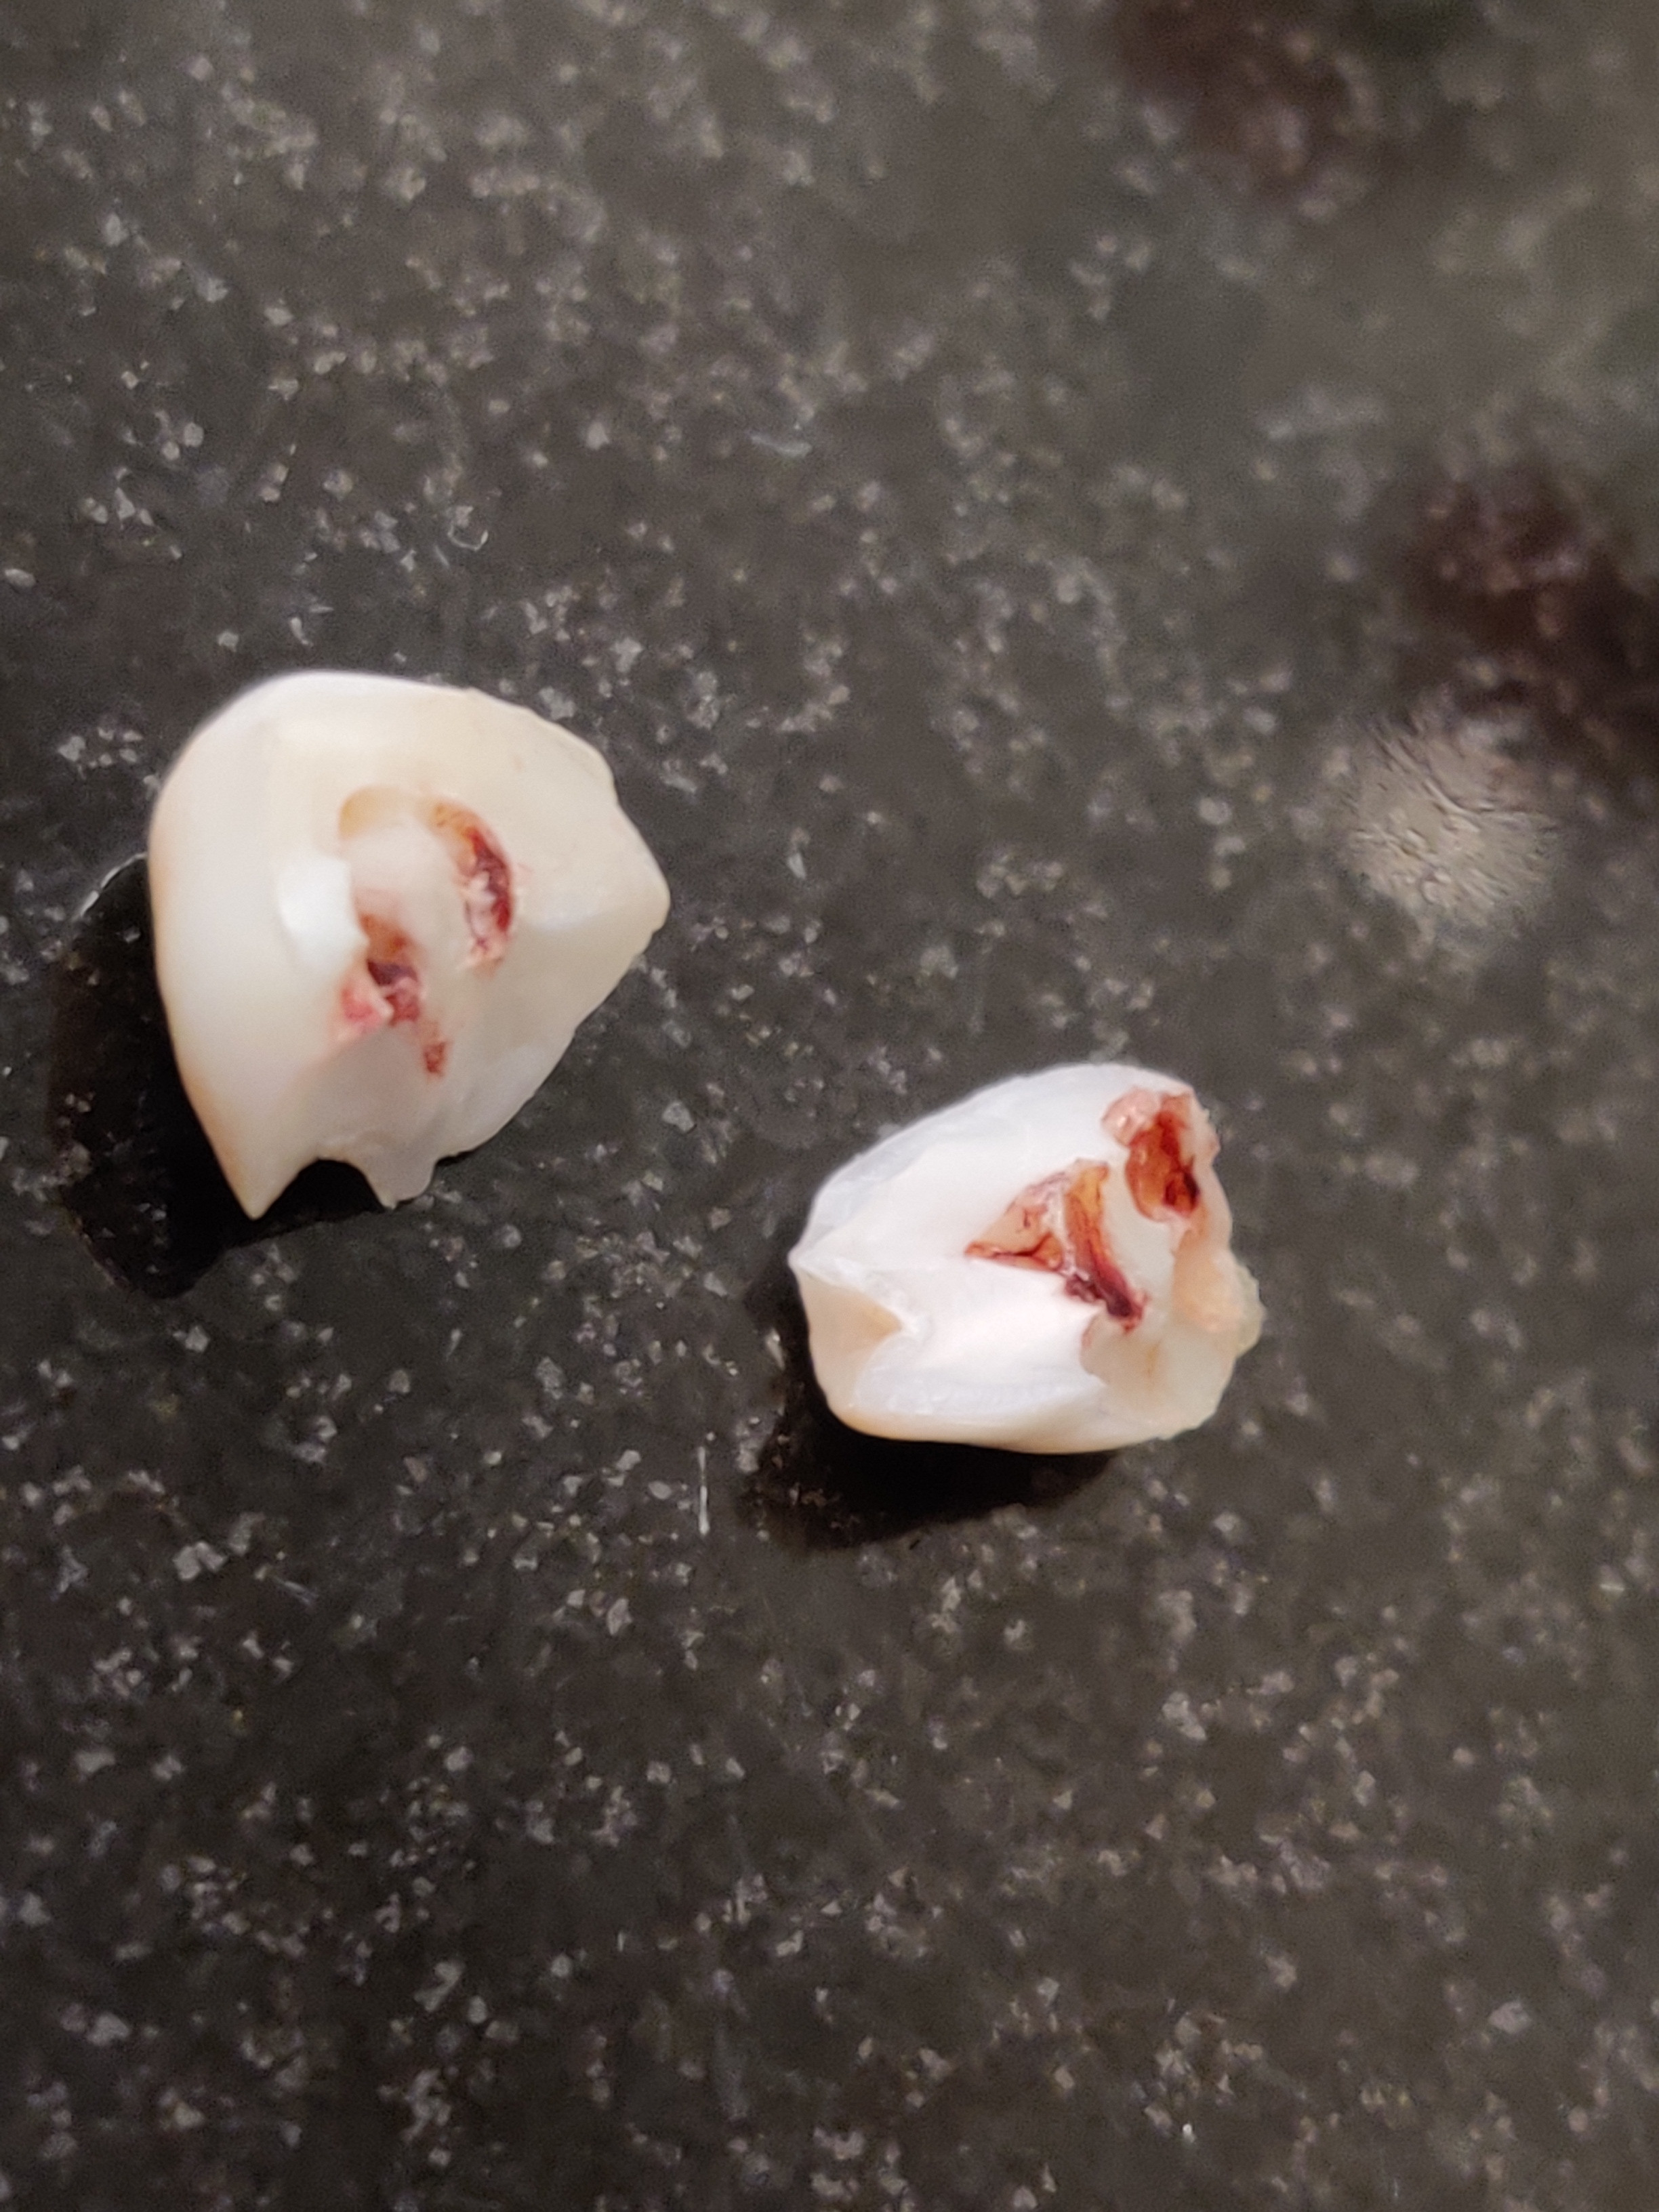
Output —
(1045, 1266)
(381, 910)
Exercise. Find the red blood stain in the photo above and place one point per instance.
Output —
(1094, 1274)
(486, 878)
(363, 1008)
(388, 992)
(389, 989)
(1058, 1226)
(1022, 1235)
(1158, 1134)
(392, 969)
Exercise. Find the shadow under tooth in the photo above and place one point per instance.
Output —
(823, 1487)
(136, 1172)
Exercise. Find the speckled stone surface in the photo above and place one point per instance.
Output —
(459, 1758)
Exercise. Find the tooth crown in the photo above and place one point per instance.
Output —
(381, 909)
(1045, 1266)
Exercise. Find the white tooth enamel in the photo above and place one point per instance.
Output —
(913, 1337)
(323, 820)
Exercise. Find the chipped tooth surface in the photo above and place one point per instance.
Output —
(1045, 1266)
(382, 908)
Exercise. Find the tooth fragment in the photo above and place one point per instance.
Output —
(381, 909)
(1045, 1266)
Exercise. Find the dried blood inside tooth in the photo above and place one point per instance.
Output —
(1159, 1171)
(1022, 1235)
(485, 878)
(1058, 1226)
(392, 968)
(1093, 1273)
(363, 1009)
(399, 992)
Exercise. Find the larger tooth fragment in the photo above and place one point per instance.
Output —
(381, 909)
(1045, 1267)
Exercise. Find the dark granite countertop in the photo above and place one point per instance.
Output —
(476, 1740)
